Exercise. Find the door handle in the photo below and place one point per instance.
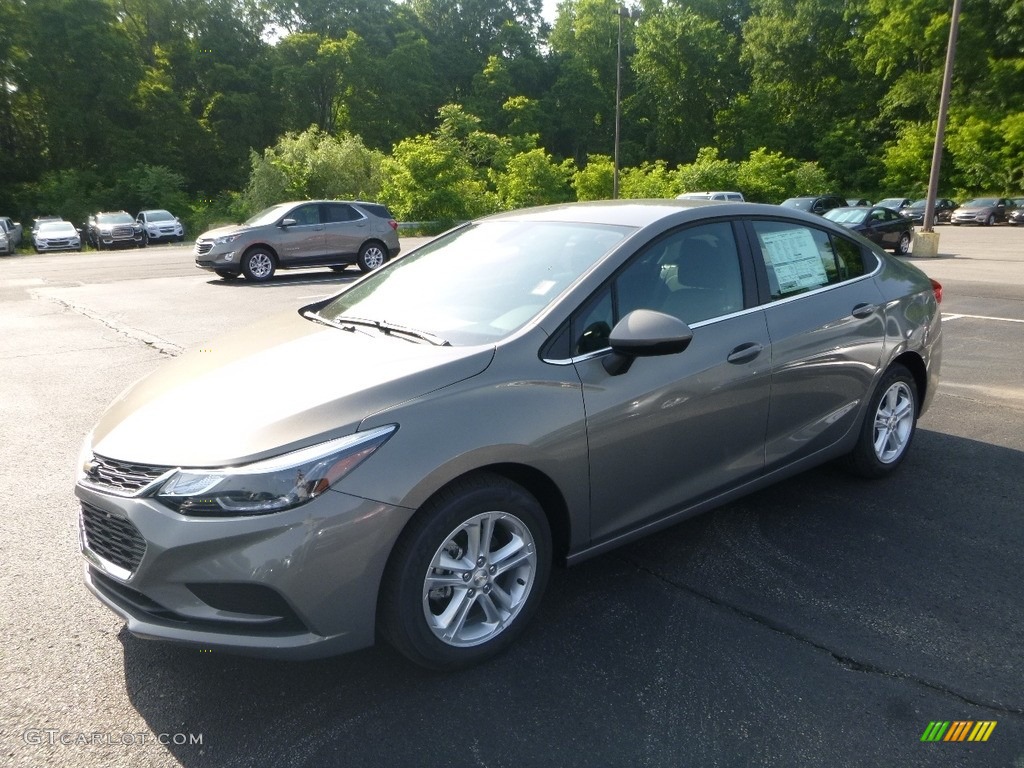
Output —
(744, 353)
(864, 310)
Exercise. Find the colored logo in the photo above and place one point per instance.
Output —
(958, 730)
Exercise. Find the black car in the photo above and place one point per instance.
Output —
(883, 226)
(815, 204)
(944, 208)
(113, 229)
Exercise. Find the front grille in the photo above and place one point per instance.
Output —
(122, 232)
(113, 538)
(203, 247)
(122, 478)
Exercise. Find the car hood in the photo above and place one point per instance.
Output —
(221, 231)
(281, 384)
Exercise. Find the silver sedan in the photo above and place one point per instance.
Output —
(409, 458)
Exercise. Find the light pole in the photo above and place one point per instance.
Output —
(940, 129)
(623, 13)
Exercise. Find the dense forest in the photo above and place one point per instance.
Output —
(448, 108)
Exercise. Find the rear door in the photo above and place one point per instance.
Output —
(825, 318)
(675, 429)
(345, 230)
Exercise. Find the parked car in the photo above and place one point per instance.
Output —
(944, 208)
(410, 456)
(816, 205)
(894, 203)
(56, 236)
(1016, 215)
(42, 220)
(982, 210)
(882, 226)
(732, 197)
(852, 201)
(311, 233)
(13, 230)
(159, 225)
(6, 239)
(113, 229)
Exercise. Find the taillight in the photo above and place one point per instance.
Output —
(937, 289)
(394, 224)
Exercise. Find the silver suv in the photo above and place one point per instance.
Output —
(311, 233)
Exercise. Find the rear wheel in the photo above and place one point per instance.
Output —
(889, 426)
(371, 256)
(467, 574)
(258, 265)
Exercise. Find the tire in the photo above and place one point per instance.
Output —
(145, 238)
(903, 246)
(371, 256)
(224, 274)
(889, 425)
(990, 220)
(258, 265)
(444, 608)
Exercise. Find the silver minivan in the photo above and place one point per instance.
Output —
(310, 233)
(530, 389)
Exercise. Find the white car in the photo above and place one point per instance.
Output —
(158, 224)
(56, 236)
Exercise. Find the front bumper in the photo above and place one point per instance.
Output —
(296, 584)
(67, 244)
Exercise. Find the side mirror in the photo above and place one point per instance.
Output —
(645, 333)
(288, 223)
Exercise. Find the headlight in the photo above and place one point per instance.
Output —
(227, 238)
(271, 485)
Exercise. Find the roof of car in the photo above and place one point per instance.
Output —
(635, 213)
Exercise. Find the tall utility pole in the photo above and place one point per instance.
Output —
(623, 13)
(940, 129)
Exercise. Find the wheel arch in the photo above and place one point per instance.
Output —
(915, 364)
(266, 247)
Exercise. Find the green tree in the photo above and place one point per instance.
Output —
(594, 180)
(766, 177)
(313, 165)
(707, 173)
(648, 180)
(533, 178)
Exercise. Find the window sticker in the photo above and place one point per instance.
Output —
(794, 256)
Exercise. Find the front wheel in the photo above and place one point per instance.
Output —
(371, 256)
(258, 265)
(467, 574)
(889, 426)
(990, 220)
(903, 246)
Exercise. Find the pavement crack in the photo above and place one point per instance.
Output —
(163, 346)
(848, 662)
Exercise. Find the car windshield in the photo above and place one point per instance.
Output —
(159, 215)
(114, 218)
(800, 203)
(480, 283)
(919, 204)
(891, 202)
(980, 202)
(56, 228)
(268, 215)
(846, 215)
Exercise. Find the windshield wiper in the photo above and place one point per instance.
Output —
(351, 328)
(387, 329)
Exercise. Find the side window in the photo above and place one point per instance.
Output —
(693, 274)
(335, 213)
(798, 258)
(305, 214)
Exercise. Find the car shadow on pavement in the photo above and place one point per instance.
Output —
(853, 612)
(292, 277)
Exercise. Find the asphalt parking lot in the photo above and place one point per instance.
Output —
(821, 622)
